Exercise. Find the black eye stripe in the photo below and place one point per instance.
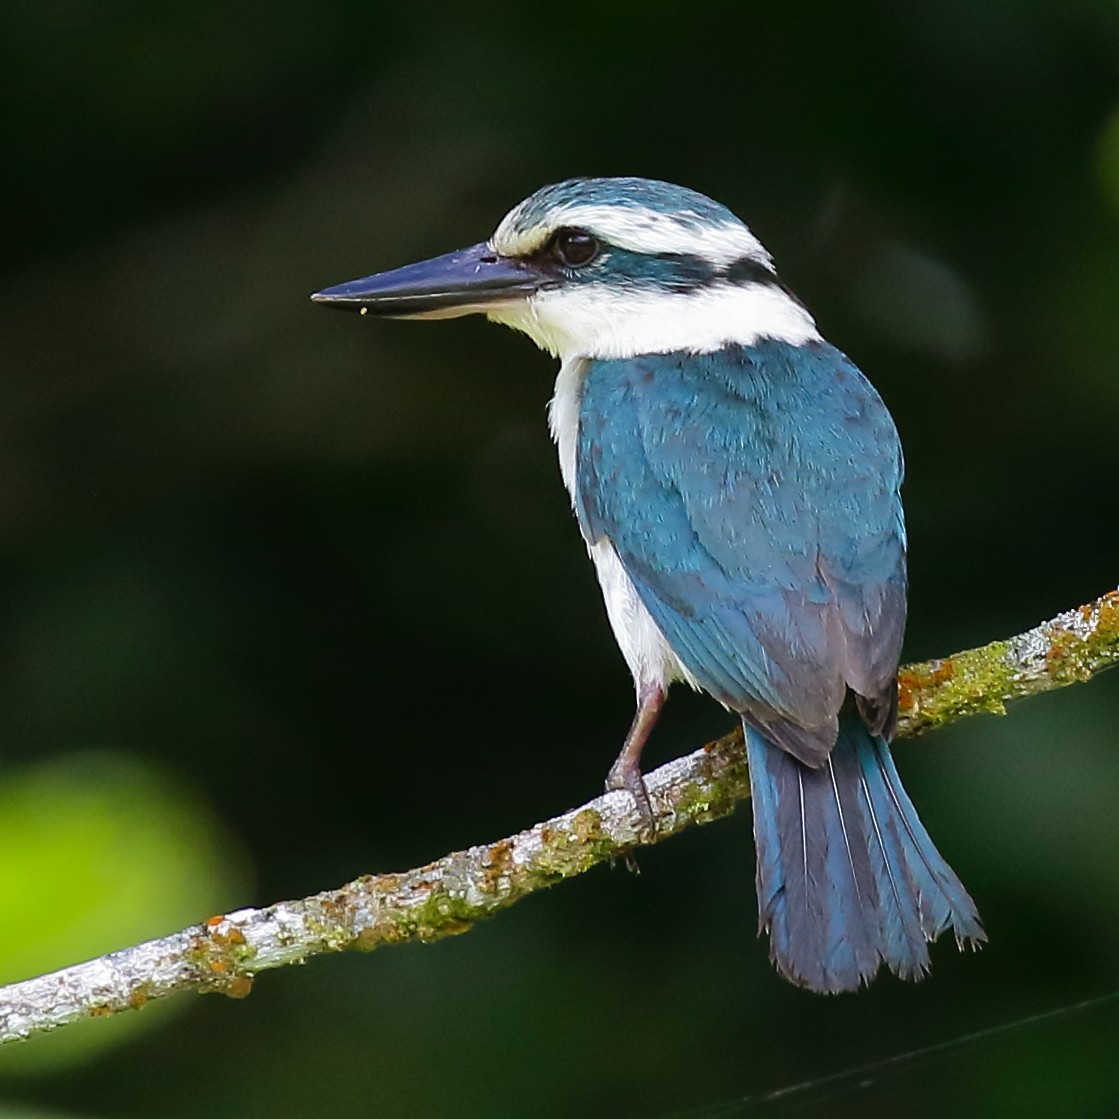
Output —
(746, 270)
(570, 248)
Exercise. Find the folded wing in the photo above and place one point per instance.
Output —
(751, 495)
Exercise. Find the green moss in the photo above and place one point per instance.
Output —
(937, 692)
(703, 802)
(982, 680)
(571, 851)
(441, 914)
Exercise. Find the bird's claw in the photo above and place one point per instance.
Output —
(628, 778)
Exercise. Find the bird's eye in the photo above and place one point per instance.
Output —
(575, 247)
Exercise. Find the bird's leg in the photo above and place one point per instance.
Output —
(625, 773)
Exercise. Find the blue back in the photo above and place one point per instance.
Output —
(752, 497)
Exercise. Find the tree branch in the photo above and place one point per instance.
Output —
(447, 896)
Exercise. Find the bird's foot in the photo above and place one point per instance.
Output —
(626, 775)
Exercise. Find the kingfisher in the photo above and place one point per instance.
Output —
(736, 480)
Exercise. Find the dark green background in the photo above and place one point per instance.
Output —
(315, 579)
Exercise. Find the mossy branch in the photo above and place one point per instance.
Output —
(447, 896)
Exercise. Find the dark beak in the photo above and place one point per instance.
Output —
(457, 283)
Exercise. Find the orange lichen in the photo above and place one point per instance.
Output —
(1108, 614)
(1061, 645)
(239, 987)
(1073, 655)
(916, 680)
(497, 864)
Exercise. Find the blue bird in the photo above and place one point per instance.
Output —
(736, 480)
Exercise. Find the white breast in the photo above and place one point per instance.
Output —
(651, 662)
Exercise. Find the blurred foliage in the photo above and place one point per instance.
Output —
(317, 578)
(100, 851)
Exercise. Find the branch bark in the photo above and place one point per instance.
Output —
(447, 896)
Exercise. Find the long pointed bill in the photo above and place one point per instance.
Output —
(459, 283)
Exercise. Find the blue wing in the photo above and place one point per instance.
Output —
(751, 495)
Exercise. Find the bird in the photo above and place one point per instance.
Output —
(736, 480)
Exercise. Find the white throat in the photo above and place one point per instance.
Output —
(597, 321)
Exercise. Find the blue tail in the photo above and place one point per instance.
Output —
(848, 878)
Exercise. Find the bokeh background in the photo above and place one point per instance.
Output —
(287, 596)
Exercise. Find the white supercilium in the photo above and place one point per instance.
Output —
(636, 228)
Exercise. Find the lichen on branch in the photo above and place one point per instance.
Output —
(447, 896)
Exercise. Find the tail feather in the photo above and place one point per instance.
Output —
(848, 878)
(944, 903)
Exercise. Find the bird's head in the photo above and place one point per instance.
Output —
(601, 268)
